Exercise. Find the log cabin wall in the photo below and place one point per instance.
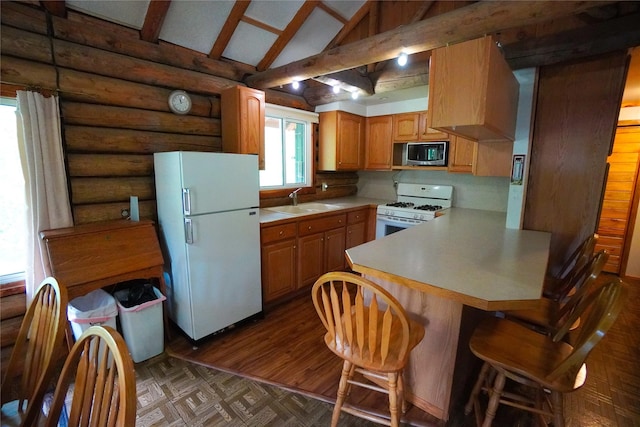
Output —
(113, 90)
(575, 119)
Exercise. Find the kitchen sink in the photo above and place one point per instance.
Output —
(304, 208)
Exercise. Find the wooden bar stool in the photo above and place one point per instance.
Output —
(101, 371)
(547, 365)
(556, 285)
(34, 358)
(552, 315)
(369, 329)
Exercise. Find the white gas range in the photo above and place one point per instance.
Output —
(416, 203)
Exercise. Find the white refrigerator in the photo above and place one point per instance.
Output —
(209, 222)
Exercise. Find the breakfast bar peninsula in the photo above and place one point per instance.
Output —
(448, 273)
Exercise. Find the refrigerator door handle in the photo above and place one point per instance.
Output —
(188, 231)
(186, 201)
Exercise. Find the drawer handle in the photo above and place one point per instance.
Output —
(281, 232)
(309, 228)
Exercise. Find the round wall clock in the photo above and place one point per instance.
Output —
(179, 102)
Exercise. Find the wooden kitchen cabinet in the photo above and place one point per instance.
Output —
(243, 115)
(279, 256)
(321, 246)
(480, 158)
(356, 228)
(379, 143)
(342, 138)
(410, 127)
(472, 91)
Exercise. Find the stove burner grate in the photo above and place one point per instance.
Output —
(400, 204)
(429, 207)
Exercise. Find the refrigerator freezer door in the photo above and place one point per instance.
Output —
(212, 183)
(224, 270)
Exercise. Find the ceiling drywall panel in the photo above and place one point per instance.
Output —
(249, 44)
(314, 35)
(186, 20)
(128, 13)
(275, 13)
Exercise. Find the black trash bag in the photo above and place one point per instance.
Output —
(139, 293)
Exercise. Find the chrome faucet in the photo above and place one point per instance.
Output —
(294, 196)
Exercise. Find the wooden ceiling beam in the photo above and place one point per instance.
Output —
(458, 25)
(374, 21)
(156, 12)
(616, 34)
(55, 7)
(349, 81)
(288, 33)
(229, 27)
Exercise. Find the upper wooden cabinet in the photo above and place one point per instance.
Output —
(480, 158)
(379, 143)
(341, 144)
(472, 91)
(408, 127)
(243, 121)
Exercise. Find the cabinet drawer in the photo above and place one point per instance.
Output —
(278, 232)
(357, 216)
(321, 224)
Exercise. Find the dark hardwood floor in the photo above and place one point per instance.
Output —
(286, 349)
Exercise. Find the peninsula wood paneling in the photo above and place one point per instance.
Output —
(575, 117)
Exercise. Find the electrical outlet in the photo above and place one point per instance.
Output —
(124, 213)
(324, 186)
(395, 184)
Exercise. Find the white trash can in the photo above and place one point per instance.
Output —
(142, 325)
(95, 308)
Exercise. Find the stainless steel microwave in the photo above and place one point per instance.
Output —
(425, 153)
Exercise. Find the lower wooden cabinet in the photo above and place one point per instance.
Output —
(295, 254)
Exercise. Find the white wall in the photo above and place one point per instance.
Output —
(488, 193)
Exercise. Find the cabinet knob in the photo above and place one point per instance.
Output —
(281, 232)
(309, 228)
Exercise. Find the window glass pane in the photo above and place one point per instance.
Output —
(12, 198)
(287, 153)
(295, 152)
(272, 175)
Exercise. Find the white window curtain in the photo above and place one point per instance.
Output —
(45, 179)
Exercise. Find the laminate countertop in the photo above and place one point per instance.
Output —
(466, 255)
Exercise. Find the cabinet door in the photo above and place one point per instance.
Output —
(356, 234)
(334, 250)
(350, 143)
(461, 154)
(406, 126)
(310, 258)
(379, 142)
(278, 269)
(252, 123)
(428, 134)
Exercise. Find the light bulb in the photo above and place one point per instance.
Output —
(402, 59)
(336, 89)
(295, 85)
(354, 95)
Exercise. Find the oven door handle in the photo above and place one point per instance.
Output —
(391, 221)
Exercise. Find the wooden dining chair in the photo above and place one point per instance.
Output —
(556, 285)
(551, 314)
(35, 355)
(549, 366)
(99, 374)
(368, 328)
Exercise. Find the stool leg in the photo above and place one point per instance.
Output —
(494, 401)
(393, 398)
(558, 409)
(476, 388)
(342, 393)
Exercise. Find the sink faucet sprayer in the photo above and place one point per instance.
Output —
(294, 196)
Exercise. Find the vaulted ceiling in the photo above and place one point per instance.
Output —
(353, 43)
